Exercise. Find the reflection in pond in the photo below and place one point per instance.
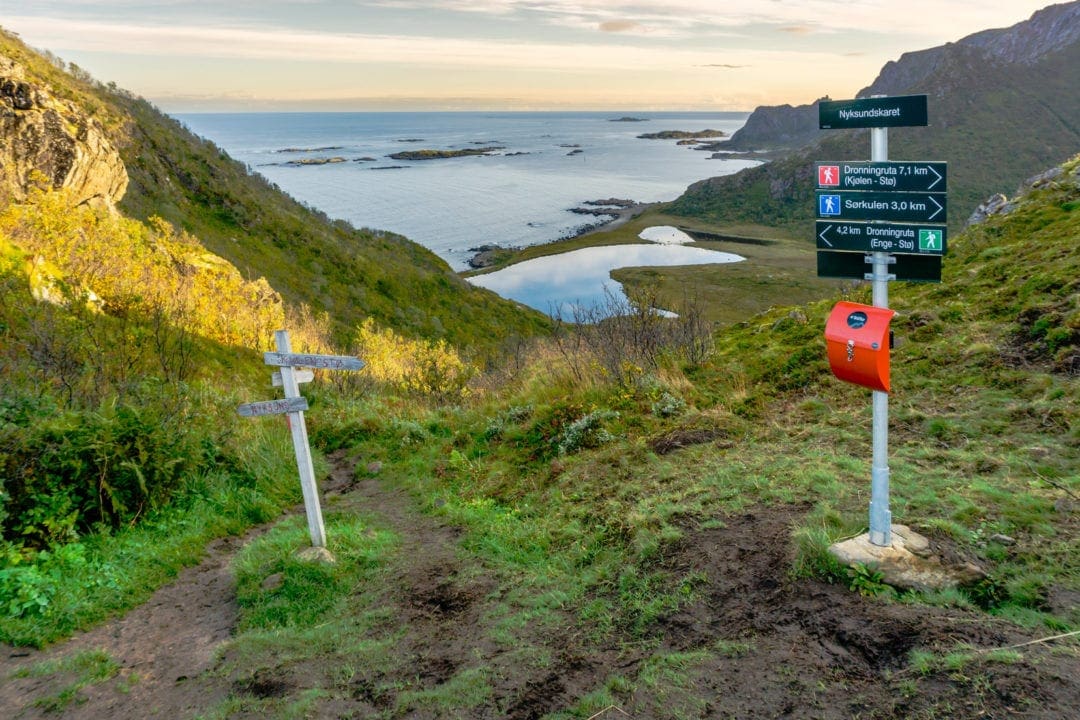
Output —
(556, 284)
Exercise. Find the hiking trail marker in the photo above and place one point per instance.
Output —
(893, 214)
(293, 372)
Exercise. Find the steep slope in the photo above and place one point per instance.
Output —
(326, 265)
(1002, 106)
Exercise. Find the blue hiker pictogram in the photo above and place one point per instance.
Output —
(828, 205)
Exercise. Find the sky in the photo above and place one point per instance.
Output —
(235, 55)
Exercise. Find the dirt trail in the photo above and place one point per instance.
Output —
(162, 647)
(766, 646)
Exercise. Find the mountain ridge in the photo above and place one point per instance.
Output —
(996, 122)
(1047, 31)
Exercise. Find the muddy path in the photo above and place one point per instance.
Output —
(753, 643)
(163, 648)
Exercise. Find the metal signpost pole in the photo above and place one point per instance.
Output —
(880, 516)
(300, 445)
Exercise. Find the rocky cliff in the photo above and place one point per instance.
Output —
(775, 126)
(47, 135)
(1048, 31)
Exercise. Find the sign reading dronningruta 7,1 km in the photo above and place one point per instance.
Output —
(896, 176)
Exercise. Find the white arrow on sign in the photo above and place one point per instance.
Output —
(321, 362)
(821, 235)
(273, 407)
(931, 185)
(302, 375)
(939, 208)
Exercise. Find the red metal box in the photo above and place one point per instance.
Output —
(857, 338)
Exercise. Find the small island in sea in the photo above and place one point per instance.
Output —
(442, 154)
(627, 118)
(316, 161)
(682, 134)
(326, 148)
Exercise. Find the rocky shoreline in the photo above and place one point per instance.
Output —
(615, 211)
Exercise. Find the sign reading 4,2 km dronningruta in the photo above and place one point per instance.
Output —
(896, 238)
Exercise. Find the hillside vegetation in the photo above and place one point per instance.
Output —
(653, 539)
(311, 261)
(646, 529)
(630, 517)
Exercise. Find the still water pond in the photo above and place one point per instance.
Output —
(557, 284)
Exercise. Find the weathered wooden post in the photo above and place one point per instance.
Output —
(293, 405)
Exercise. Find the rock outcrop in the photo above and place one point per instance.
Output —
(53, 137)
(1047, 31)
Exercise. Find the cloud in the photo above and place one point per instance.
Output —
(930, 19)
(619, 26)
(287, 44)
(726, 66)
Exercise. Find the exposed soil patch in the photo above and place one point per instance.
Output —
(805, 649)
(753, 644)
(163, 648)
(683, 438)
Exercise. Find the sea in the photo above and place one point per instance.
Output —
(517, 195)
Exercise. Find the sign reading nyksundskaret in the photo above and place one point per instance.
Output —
(294, 405)
(873, 112)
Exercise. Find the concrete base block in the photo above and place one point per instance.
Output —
(908, 563)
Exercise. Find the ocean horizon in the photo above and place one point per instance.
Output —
(537, 167)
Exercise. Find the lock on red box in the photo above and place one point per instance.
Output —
(857, 340)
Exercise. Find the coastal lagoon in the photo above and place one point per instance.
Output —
(519, 194)
(557, 284)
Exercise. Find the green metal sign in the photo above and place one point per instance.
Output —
(855, 266)
(896, 238)
(898, 176)
(878, 112)
(892, 207)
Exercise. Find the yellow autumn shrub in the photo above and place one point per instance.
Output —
(417, 367)
(148, 270)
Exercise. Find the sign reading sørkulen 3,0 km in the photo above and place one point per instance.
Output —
(897, 207)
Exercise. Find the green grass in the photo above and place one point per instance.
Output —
(106, 573)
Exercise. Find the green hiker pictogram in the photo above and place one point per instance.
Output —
(930, 240)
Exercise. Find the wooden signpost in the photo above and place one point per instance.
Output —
(293, 405)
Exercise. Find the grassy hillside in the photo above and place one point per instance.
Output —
(646, 531)
(327, 265)
(656, 544)
(629, 518)
(995, 124)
